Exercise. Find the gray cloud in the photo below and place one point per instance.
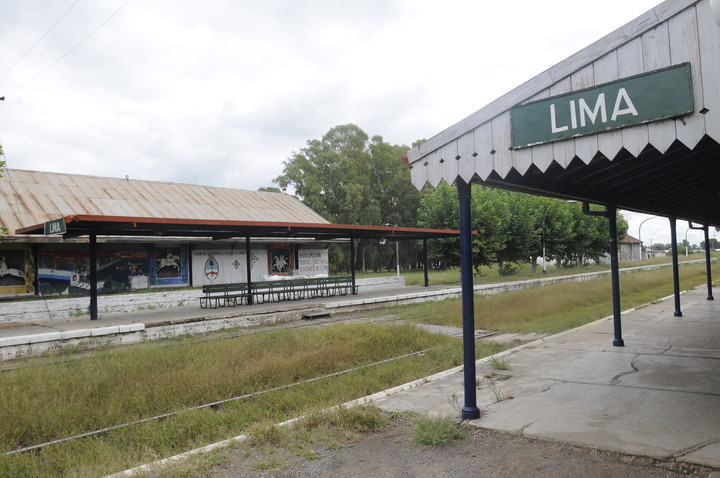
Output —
(222, 92)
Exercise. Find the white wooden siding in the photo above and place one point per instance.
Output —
(672, 33)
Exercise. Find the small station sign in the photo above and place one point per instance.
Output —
(653, 96)
(56, 226)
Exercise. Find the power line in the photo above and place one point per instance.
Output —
(69, 51)
(38, 40)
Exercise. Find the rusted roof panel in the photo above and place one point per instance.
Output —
(33, 197)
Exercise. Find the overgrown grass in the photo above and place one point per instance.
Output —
(437, 431)
(490, 274)
(120, 385)
(556, 307)
(270, 448)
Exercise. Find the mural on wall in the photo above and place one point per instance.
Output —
(13, 274)
(212, 268)
(68, 272)
(280, 259)
(170, 265)
(220, 266)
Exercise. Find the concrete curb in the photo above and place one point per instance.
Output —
(70, 334)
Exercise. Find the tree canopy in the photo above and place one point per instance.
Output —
(512, 227)
(351, 178)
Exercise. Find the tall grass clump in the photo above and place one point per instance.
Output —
(437, 431)
(119, 385)
(560, 306)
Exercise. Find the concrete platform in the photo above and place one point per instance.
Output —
(658, 396)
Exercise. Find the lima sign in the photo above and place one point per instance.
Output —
(653, 96)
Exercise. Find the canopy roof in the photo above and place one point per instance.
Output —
(132, 208)
(83, 225)
(668, 167)
(34, 197)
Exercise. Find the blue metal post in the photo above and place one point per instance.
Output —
(248, 268)
(93, 278)
(707, 262)
(426, 265)
(470, 411)
(611, 212)
(352, 265)
(676, 271)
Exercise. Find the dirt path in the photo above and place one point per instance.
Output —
(390, 453)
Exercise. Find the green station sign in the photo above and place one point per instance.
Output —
(653, 96)
(56, 226)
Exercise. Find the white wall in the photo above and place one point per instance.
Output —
(229, 264)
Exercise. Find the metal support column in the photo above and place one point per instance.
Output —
(426, 265)
(470, 411)
(676, 271)
(615, 276)
(93, 278)
(708, 264)
(352, 265)
(611, 215)
(35, 258)
(248, 269)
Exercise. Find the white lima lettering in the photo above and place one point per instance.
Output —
(629, 106)
(623, 106)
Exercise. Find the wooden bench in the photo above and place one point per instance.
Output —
(269, 291)
(322, 287)
(222, 295)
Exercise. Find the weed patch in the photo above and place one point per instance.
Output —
(499, 364)
(556, 307)
(439, 431)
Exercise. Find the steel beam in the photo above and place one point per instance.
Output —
(708, 263)
(470, 411)
(248, 268)
(426, 265)
(675, 268)
(93, 278)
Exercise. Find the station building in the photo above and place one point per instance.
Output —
(59, 265)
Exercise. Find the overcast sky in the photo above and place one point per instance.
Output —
(222, 92)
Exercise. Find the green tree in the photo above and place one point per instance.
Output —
(512, 227)
(581, 237)
(439, 209)
(522, 229)
(350, 178)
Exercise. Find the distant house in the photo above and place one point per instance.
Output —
(630, 249)
(56, 265)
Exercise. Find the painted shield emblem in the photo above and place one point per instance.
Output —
(212, 269)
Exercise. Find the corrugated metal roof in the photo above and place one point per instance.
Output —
(34, 197)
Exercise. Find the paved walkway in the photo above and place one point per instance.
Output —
(659, 396)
